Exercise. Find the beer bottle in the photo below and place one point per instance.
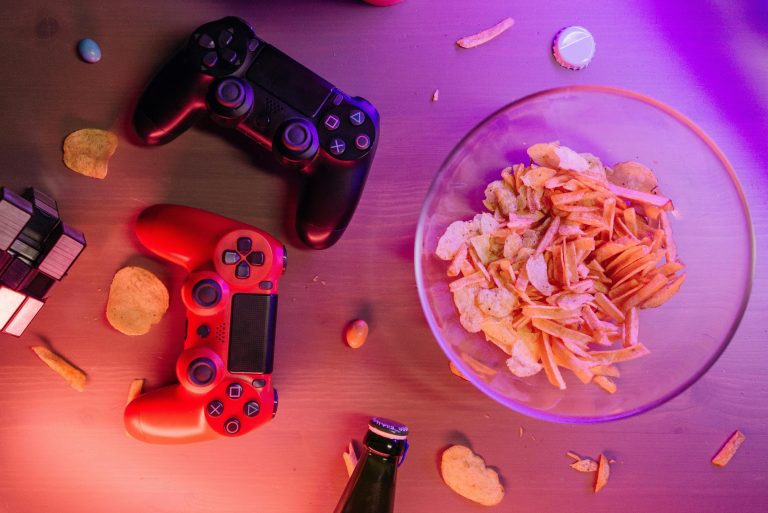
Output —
(371, 487)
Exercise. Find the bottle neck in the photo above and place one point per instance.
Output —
(384, 446)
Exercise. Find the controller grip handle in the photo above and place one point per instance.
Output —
(172, 102)
(165, 230)
(169, 415)
(327, 200)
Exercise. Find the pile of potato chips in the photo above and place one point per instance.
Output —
(555, 272)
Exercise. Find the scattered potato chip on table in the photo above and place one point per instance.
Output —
(135, 389)
(75, 377)
(137, 300)
(87, 151)
(486, 35)
(466, 474)
(728, 450)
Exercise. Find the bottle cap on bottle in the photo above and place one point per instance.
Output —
(388, 428)
(574, 47)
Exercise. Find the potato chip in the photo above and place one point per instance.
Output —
(536, 269)
(350, 459)
(728, 450)
(137, 300)
(633, 175)
(466, 474)
(486, 35)
(134, 389)
(455, 370)
(585, 465)
(75, 377)
(87, 151)
(603, 472)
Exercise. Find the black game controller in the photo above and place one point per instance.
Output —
(242, 82)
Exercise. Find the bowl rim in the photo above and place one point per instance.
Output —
(664, 398)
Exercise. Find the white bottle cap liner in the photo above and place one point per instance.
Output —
(574, 47)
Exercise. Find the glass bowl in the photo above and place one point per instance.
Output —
(713, 235)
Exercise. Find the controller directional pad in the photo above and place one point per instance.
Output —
(243, 258)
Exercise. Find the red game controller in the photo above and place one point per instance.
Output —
(225, 371)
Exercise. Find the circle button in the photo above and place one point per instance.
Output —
(232, 426)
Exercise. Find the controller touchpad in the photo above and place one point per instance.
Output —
(252, 333)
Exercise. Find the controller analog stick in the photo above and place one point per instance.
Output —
(297, 137)
(206, 293)
(201, 371)
(230, 93)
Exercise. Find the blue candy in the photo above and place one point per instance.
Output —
(89, 50)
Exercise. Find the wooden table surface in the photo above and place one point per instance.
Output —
(61, 450)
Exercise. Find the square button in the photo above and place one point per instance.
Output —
(235, 391)
(331, 122)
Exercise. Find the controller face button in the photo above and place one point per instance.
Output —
(203, 331)
(251, 409)
(205, 41)
(337, 146)
(356, 117)
(243, 270)
(256, 258)
(235, 391)
(253, 44)
(229, 55)
(265, 285)
(259, 383)
(201, 371)
(331, 122)
(225, 37)
(230, 257)
(210, 59)
(215, 408)
(244, 245)
(206, 293)
(296, 137)
(362, 142)
(232, 426)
